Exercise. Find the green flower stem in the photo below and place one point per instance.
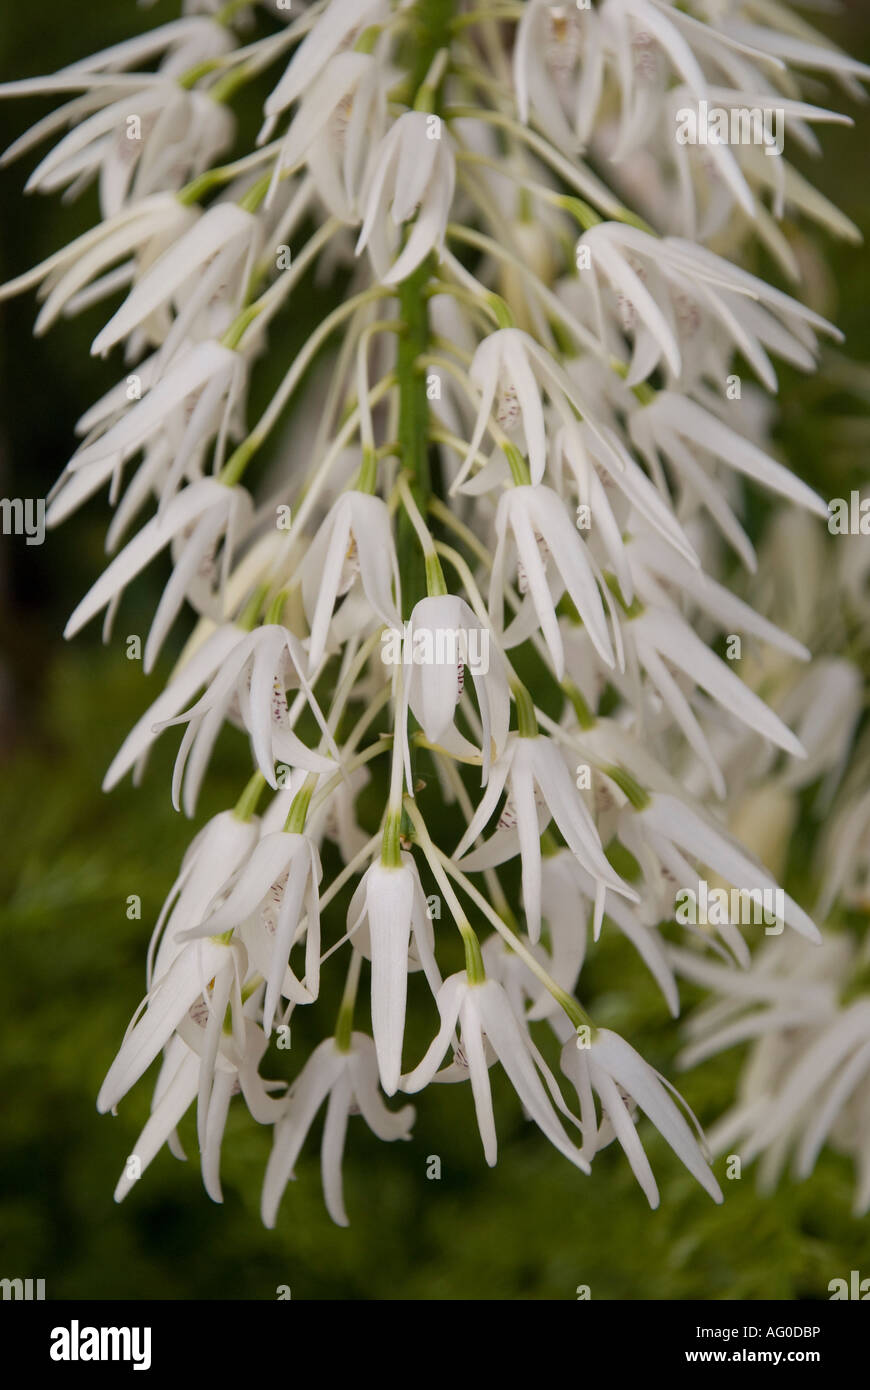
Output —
(250, 614)
(503, 12)
(430, 26)
(542, 147)
(435, 582)
(551, 302)
(276, 608)
(643, 392)
(374, 750)
(583, 213)
(427, 96)
(246, 805)
(518, 466)
(493, 883)
(206, 183)
(227, 13)
(251, 201)
(636, 794)
(391, 850)
(413, 429)
(585, 718)
(526, 721)
(575, 1011)
(473, 959)
(344, 1023)
(235, 466)
(189, 79)
(225, 89)
(368, 38)
(481, 304)
(631, 610)
(295, 822)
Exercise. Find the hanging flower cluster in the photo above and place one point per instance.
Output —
(480, 572)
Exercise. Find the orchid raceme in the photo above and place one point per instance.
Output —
(459, 561)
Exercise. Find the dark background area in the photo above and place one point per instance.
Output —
(73, 964)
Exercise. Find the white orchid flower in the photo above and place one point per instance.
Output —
(207, 513)
(534, 518)
(276, 886)
(563, 879)
(445, 640)
(662, 640)
(215, 251)
(220, 848)
(675, 425)
(250, 688)
(413, 175)
(201, 969)
(144, 229)
(355, 538)
(331, 32)
(540, 787)
(622, 1080)
(671, 830)
(560, 424)
(341, 117)
(178, 1086)
(198, 671)
(350, 1079)
(189, 406)
(389, 924)
(143, 134)
(484, 1015)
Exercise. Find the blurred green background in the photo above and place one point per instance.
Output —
(73, 964)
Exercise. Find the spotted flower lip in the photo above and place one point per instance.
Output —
(509, 363)
(484, 1015)
(168, 1001)
(333, 129)
(525, 513)
(532, 767)
(290, 861)
(251, 682)
(317, 48)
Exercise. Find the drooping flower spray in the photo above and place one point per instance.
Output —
(482, 579)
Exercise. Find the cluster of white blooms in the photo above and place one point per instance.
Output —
(806, 1008)
(514, 437)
